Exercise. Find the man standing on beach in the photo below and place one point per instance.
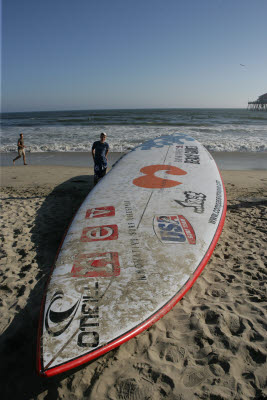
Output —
(21, 151)
(100, 150)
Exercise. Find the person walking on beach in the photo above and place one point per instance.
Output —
(21, 151)
(100, 150)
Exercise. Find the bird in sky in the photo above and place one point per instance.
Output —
(242, 65)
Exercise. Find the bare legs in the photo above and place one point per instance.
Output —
(19, 156)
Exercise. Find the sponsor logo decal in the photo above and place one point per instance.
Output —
(56, 322)
(178, 156)
(167, 140)
(194, 200)
(99, 212)
(191, 155)
(134, 243)
(93, 265)
(96, 265)
(89, 321)
(174, 229)
(151, 181)
(97, 233)
(218, 204)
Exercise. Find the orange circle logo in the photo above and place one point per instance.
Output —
(150, 181)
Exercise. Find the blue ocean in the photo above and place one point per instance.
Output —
(218, 130)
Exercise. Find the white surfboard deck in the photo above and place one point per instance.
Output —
(137, 244)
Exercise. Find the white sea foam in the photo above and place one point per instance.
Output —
(121, 138)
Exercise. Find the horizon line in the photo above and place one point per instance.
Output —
(125, 109)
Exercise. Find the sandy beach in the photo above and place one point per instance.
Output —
(212, 345)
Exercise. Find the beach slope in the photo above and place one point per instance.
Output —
(212, 345)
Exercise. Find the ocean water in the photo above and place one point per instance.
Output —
(218, 130)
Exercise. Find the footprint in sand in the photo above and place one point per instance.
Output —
(216, 291)
(149, 384)
(129, 389)
(256, 355)
(194, 376)
(170, 352)
(161, 382)
(235, 324)
(175, 354)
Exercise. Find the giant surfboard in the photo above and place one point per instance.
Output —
(137, 244)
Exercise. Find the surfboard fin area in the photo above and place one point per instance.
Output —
(151, 223)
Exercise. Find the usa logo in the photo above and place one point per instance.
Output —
(174, 229)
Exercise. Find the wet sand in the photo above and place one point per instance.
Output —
(212, 345)
(225, 160)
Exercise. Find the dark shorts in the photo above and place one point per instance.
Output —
(99, 171)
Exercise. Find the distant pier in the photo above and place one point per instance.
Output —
(260, 104)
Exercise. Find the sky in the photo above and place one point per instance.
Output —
(99, 54)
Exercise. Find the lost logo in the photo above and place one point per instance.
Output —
(194, 200)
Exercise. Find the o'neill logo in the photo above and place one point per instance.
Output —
(56, 322)
(174, 229)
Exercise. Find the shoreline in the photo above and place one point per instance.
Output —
(58, 177)
(224, 160)
(212, 344)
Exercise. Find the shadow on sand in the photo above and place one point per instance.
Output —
(19, 379)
